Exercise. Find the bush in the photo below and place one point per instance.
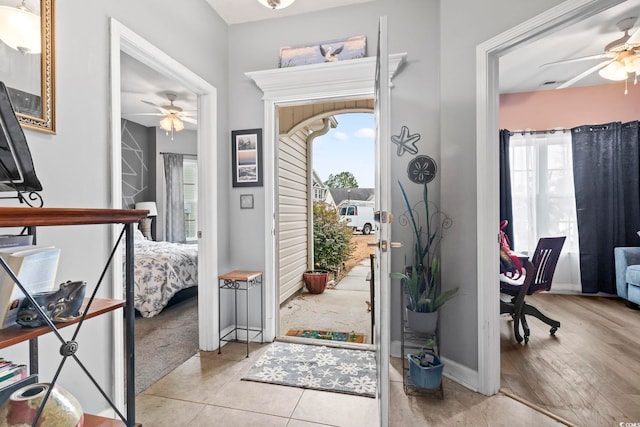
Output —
(332, 244)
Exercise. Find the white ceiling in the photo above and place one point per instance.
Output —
(520, 70)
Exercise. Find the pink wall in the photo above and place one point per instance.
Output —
(567, 108)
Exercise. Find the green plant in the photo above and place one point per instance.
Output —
(423, 282)
(332, 244)
(425, 355)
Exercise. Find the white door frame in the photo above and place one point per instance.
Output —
(307, 84)
(125, 40)
(487, 170)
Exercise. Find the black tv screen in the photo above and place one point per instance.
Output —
(16, 164)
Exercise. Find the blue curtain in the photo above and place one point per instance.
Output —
(506, 210)
(607, 183)
(174, 186)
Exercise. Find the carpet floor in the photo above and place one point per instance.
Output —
(164, 342)
(317, 367)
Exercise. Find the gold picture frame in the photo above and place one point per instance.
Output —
(37, 111)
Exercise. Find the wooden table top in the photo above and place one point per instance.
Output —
(240, 275)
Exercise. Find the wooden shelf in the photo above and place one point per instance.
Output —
(31, 217)
(96, 421)
(16, 334)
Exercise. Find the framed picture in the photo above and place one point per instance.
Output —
(329, 51)
(246, 157)
(246, 201)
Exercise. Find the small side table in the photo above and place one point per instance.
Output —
(240, 280)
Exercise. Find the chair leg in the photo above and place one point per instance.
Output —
(525, 327)
(533, 311)
(516, 328)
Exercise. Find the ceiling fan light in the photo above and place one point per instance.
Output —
(171, 123)
(20, 29)
(614, 71)
(276, 4)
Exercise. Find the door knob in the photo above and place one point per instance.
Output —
(383, 245)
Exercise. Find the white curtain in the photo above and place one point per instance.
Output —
(544, 199)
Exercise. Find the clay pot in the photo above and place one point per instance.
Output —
(316, 280)
(61, 409)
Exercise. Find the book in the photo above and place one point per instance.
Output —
(15, 374)
(10, 240)
(35, 267)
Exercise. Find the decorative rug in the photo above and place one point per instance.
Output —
(327, 335)
(317, 367)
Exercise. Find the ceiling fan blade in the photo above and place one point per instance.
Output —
(635, 37)
(150, 103)
(145, 114)
(189, 120)
(585, 74)
(159, 107)
(583, 58)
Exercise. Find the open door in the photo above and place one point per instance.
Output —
(382, 328)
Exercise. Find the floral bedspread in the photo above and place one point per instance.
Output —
(162, 269)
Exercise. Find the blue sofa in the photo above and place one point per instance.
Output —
(627, 261)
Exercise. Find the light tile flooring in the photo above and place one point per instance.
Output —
(207, 391)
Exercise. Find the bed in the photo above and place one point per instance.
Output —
(161, 269)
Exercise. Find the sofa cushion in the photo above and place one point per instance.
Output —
(633, 275)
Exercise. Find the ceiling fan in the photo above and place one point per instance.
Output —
(622, 57)
(173, 116)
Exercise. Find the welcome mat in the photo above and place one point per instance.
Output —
(327, 335)
(317, 367)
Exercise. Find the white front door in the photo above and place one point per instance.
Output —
(382, 335)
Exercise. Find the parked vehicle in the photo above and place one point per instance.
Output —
(359, 218)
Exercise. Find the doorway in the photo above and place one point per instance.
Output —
(325, 162)
(125, 40)
(488, 55)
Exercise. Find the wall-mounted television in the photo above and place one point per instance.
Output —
(16, 165)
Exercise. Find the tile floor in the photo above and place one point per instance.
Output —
(207, 391)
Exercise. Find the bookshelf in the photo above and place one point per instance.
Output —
(43, 217)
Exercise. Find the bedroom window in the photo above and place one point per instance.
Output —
(543, 197)
(190, 177)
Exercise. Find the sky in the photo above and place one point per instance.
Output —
(348, 147)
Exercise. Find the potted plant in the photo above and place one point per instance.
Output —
(331, 247)
(425, 368)
(422, 279)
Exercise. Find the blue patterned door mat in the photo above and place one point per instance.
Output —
(317, 367)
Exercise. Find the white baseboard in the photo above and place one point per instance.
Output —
(460, 374)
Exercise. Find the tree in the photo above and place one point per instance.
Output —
(341, 180)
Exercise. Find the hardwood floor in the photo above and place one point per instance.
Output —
(589, 373)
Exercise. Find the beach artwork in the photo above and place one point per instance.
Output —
(330, 51)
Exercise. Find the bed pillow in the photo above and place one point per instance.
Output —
(138, 236)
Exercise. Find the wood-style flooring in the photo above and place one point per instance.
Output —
(589, 373)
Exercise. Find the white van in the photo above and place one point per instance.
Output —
(358, 217)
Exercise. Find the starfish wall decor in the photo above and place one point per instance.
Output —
(406, 141)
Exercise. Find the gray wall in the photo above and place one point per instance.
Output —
(74, 165)
(138, 164)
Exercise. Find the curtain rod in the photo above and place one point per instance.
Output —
(184, 154)
(538, 132)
